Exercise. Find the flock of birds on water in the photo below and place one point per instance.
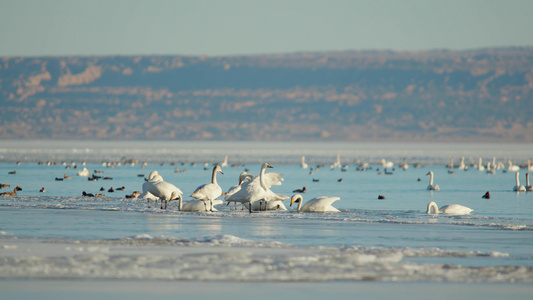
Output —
(254, 194)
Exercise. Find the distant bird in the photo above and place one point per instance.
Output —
(4, 185)
(316, 180)
(518, 187)
(304, 165)
(302, 190)
(102, 189)
(339, 180)
(122, 188)
(381, 197)
(58, 179)
(66, 176)
(111, 190)
(42, 190)
(486, 196)
(84, 173)
(99, 195)
(87, 194)
(431, 186)
(12, 172)
(529, 187)
(452, 209)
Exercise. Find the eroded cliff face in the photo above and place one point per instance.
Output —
(478, 95)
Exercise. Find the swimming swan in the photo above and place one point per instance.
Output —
(318, 204)
(431, 186)
(518, 187)
(209, 191)
(452, 209)
(529, 187)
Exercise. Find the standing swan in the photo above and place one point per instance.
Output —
(431, 186)
(209, 191)
(304, 165)
(452, 209)
(518, 187)
(251, 192)
(318, 204)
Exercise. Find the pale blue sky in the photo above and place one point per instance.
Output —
(130, 27)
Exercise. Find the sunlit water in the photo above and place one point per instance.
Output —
(61, 235)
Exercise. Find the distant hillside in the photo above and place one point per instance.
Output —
(477, 95)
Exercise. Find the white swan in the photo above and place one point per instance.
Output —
(452, 209)
(304, 165)
(480, 166)
(269, 205)
(209, 191)
(251, 192)
(518, 187)
(529, 187)
(431, 186)
(511, 167)
(162, 190)
(404, 164)
(318, 204)
(225, 162)
(387, 163)
(337, 164)
(462, 165)
(232, 190)
(84, 172)
(196, 205)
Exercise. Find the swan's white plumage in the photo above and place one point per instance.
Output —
(83, 172)
(452, 209)
(529, 187)
(431, 186)
(209, 191)
(304, 165)
(197, 205)
(318, 204)
(165, 191)
(253, 191)
(518, 187)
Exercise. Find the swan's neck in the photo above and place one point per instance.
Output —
(214, 176)
(517, 180)
(527, 179)
(300, 200)
(262, 179)
(430, 178)
(180, 206)
(434, 206)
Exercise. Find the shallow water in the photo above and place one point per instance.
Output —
(60, 235)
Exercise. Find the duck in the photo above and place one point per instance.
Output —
(209, 191)
(111, 190)
(431, 186)
(122, 188)
(318, 204)
(451, 209)
(42, 190)
(87, 194)
(518, 187)
(486, 195)
(13, 193)
(133, 195)
(302, 190)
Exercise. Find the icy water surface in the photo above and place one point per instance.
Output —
(61, 235)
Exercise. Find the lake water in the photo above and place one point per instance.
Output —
(47, 239)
